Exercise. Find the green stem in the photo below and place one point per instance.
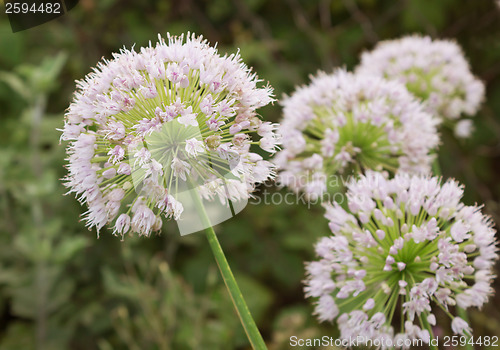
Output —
(239, 303)
(463, 315)
(425, 324)
(436, 168)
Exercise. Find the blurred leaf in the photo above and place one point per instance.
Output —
(42, 78)
(257, 296)
(16, 84)
(116, 287)
(69, 247)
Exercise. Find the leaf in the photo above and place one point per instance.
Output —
(42, 79)
(16, 84)
(69, 247)
(116, 287)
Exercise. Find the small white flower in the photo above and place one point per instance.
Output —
(180, 168)
(122, 224)
(143, 220)
(188, 119)
(109, 173)
(142, 157)
(431, 319)
(214, 124)
(370, 304)
(116, 154)
(269, 143)
(464, 128)
(459, 326)
(124, 169)
(194, 146)
(116, 195)
(115, 130)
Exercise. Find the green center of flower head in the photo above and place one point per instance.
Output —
(180, 159)
(168, 137)
(419, 81)
(391, 259)
(359, 145)
(425, 83)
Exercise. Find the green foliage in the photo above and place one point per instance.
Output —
(62, 288)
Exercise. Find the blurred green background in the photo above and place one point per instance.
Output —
(62, 288)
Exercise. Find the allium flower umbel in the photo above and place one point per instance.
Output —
(405, 248)
(436, 71)
(344, 123)
(147, 123)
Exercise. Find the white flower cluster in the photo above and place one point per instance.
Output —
(343, 123)
(405, 245)
(435, 71)
(145, 121)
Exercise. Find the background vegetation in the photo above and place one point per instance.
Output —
(62, 288)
